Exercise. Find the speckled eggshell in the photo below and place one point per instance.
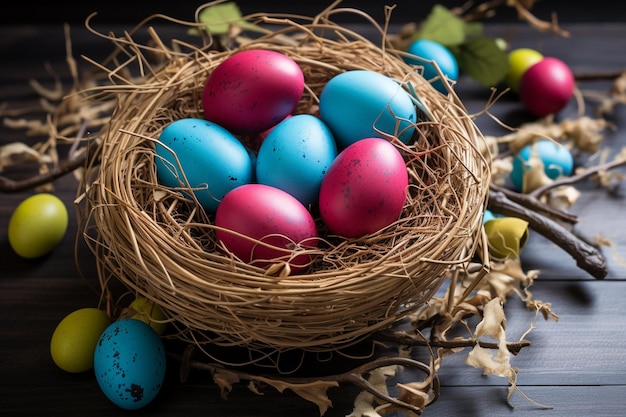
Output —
(364, 189)
(252, 90)
(270, 215)
(206, 156)
(130, 363)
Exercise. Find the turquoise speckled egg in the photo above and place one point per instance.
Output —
(206, 156)
(130, 363)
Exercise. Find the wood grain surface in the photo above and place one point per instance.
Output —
(575, 365)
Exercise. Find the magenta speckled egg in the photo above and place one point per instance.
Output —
(364, 189)
(252, 90)
(254, 213)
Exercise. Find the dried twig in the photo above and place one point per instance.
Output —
(301, 385)
(408, 339)
(588, 257)
(62, 168)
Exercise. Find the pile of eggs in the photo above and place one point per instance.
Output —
(536, 164)
(338, 165)
(127, 355)
(544, 84)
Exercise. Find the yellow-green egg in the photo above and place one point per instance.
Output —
(37, 225)
(520, 60)
(150, 313)
(74, 340)
(506, 236)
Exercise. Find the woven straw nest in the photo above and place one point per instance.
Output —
(160, 244)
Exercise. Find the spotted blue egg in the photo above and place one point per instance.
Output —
(204, 156)
(295, 156)
(130, 363)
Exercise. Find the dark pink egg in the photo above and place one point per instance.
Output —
(252, 90)
(364, 189)
(261, 225)
(546, 87)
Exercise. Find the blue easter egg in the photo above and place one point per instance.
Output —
(557, 161)
(361, 104)
(203, 156)
(130, 363)
(295, 156)
(425, 52)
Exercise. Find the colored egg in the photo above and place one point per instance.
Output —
(262, 225)
(204, 155)
(432, 55)
(295, 156)
(546, 87)
(519, 61)
(149, 312)
(488, 215)
(361, 104)
(37, 225)
(506, 236)
(74, 339)
(130, 363)
(252, 90)
(555, 159)
(364, 189)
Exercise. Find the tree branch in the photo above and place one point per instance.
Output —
(64, 167)
(587, 256)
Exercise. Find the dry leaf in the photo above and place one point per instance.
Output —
(225, 380)
(17, 153)
(311, 391)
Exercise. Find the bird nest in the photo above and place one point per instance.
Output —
(159, 242)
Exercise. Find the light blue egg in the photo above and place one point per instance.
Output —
(130, 363)
(488, 215)
(431, 51)
(295, 155)
(361, 104)
(212, 160)
(557, 161)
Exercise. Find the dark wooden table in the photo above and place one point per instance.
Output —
(576, 365)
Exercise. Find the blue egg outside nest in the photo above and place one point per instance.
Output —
(428, 52)
(557, 161)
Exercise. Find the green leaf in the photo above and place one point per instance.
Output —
(473, 29)
(482, 59)
(443, 26)
(219, 18)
